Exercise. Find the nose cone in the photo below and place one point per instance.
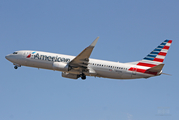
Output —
(7, 57)
(12, 58)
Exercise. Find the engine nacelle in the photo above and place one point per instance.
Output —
(69, 75)
(60, 66)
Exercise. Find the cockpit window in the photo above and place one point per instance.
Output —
(14, 52)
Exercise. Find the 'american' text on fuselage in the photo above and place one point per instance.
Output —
(50, 58)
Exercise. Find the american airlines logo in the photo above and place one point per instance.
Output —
(30, 54)
(48, 58)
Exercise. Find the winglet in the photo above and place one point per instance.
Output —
(94, 42)
(82, 60)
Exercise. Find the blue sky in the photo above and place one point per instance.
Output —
(128, 31)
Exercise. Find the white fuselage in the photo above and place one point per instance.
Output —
(97, 68)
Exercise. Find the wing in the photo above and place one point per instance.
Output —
(80, 62)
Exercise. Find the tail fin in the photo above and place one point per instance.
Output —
(157, 56)
(153, 62)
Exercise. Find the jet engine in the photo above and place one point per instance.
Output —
(61, 66)
(69, 75)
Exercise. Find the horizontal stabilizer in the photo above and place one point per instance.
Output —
(157, 68)
(166, 74)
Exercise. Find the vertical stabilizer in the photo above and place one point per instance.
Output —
(153, 62)
(157, 56)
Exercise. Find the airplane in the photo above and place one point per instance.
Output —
(80, 66)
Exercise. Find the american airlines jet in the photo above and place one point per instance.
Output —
(81, 65)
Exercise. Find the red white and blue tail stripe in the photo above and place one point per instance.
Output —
(156, 57)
